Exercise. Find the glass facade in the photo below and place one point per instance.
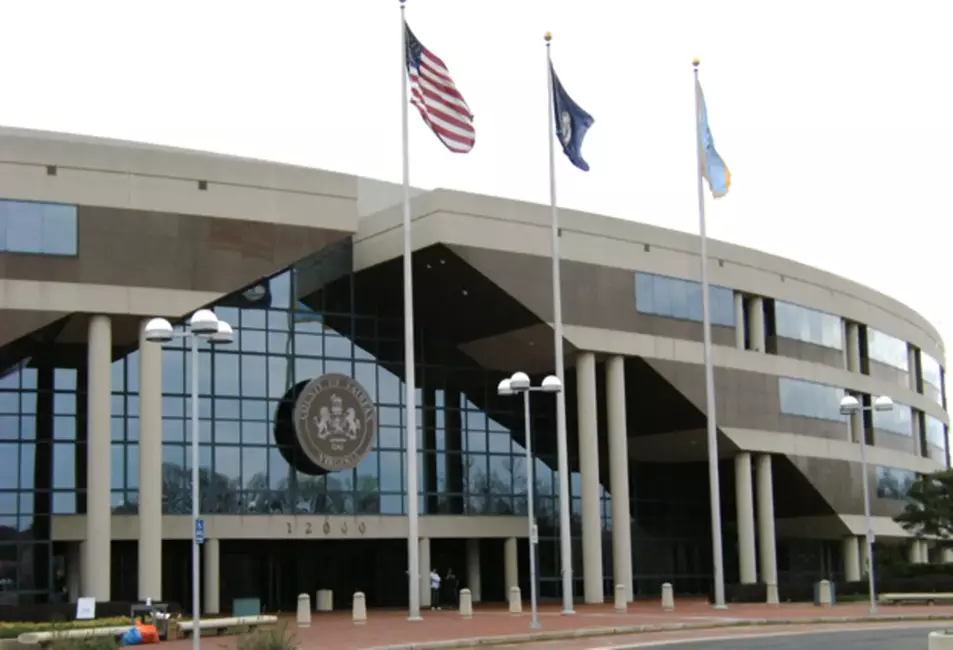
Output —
(809, 399)
(808, 325)
(887, 349)
(894, 483)
(936, 438)
(898, 420)
(676, 298)
(39, 228)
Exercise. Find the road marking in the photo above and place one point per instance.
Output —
(762, 635)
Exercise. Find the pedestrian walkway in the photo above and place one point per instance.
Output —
(336, 631)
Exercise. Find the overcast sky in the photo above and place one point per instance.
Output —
(834, 116)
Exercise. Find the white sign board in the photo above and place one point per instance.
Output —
(86, 608)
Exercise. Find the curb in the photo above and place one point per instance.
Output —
(556, 635)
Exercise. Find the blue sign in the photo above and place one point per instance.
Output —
(199, 531)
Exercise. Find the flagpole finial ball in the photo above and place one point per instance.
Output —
(548, 36)
(695, 62)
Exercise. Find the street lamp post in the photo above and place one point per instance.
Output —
(203, 324)
(519, 383)
(850, 405)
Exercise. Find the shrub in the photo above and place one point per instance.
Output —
(276, 638)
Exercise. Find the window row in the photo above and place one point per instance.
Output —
(809, 399)
(887, 349)
(893, 483)
(676, 298)
(39, 228)
(808, 325)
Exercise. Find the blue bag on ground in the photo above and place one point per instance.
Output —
(131, 637)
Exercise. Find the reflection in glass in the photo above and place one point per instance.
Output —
(677, 298)
(897, 420)
(811, 400)
(808, 325)
(893, 483)
(887, 349)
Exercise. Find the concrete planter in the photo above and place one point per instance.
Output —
(941, 640)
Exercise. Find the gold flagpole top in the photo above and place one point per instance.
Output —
(695, 62)
(548, 36)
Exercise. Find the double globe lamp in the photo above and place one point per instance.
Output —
(849, 406)
(203, 325)
(519, 383)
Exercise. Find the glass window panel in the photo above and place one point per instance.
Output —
(887, 349)
(58, 223)
(64, 428)
(897, 420)
(118, 466)
(24, 226)
(808, 325)
(809, 399)
(932, 373)
(893, 483)
(227, 375)
(677, 298)
(254, 376)
(132, 466)
(64, 466)
(252, 340)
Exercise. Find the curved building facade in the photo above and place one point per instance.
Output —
(302, 476)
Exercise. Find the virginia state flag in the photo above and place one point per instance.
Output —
(571, 123)
(714, 168)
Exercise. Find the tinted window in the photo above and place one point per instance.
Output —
(893, 483)
(808, 325)
(677, 298)
(807, 399)
(41, 228)
(936, 432)
(898, 420)
(886, 349)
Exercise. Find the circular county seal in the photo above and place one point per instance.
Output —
(335, 422)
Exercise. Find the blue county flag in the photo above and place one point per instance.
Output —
(572, 123)
(714, 168)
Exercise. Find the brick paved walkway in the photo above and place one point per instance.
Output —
(391, 628)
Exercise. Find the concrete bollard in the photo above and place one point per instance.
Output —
(516, 601)
(359, 608)
(824, 596)
(466, 603)
(324, 600)
(621, 606)
(304, 610)
(772, 590)
(668, 597)
(940, 640)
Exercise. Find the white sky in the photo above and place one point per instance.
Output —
(834, 116)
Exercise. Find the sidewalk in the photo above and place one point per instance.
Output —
(446, 629)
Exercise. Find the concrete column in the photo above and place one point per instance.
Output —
(756, 324)
(211, 579)
(766, 540)
(425, 566)
(852, 347)
(96, 557)
(864, 556)
(739, 320)
(150, 468)
(619, 475)
(852, 568)
(913, 551)
(589, 471)
(924, 552)
(917, 432)
(947, 556)
(74, 559)
(744, 500)
(510, 568)
(473, 570)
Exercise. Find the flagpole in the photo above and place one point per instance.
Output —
(410, 409)
(562, 451)
(713, 480)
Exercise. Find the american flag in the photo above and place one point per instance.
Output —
(435, 95)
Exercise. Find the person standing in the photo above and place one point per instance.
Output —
(434, 589)
(453, 588)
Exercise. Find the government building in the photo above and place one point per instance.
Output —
(302, 476)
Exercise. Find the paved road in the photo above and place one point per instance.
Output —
(872, 639)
